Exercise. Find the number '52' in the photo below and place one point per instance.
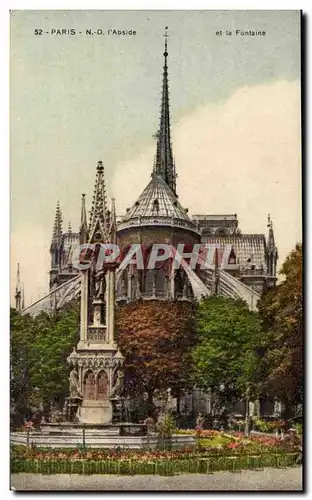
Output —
(38, 32)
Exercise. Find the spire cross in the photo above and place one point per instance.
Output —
(166, 38)
(270, 222)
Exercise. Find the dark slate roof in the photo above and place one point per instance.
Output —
(250, 249)
(157, 205)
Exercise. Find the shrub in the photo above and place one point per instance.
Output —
(165, 426)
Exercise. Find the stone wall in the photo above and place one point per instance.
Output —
(149, 235)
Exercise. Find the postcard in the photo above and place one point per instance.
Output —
(156, 250)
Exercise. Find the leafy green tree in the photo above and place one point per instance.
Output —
(281, 312)
(225, 356)
(55, 339)
(21, 338)
(39, 348)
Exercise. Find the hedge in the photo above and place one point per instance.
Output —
(161, 467)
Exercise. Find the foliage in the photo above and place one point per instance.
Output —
(39, 347)
(22, 335)
(262, 425)
(163, 467)
(281, 312)
(165, 426)
(155, 337)
(218, 445)
(234, 454)
(298, 428)
(54, 342)
(228, 337)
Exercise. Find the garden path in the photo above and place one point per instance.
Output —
(268, 479)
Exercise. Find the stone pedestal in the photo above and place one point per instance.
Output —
(95, 412)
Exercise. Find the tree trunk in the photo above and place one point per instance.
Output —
(150, 396)
(288, 410)
(150, 404)
(178, 403)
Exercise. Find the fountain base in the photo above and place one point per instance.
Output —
(73, 435)
(95, 412)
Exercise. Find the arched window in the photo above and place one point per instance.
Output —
(160, 282)
(149, 281)
(102, 385)
(232, 256)
(156, 206)
(178, 284)
(133, 287)
(122, 285)
(89, 386)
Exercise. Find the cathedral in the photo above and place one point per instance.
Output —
(158, 216)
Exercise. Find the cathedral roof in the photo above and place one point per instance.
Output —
(157, 205)
(249, 250)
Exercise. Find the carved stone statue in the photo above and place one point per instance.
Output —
(74, 390)
(118, 387)
(100, 286)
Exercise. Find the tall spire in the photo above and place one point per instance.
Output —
(99, 219)
(18, 290)
(57, 228)
(271, 240)
(164, 162)
(271, 249)
(83, 230)
(113, 223)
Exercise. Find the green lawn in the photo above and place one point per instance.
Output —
(214, 441)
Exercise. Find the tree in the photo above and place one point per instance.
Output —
(39, 348)
(226, 353)
(155, 337)
(281, 312)
(55, 339)
(21, 337)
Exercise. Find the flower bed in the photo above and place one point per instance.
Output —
(237, 452)
(166, 467)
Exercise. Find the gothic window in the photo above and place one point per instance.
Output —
(133, 287)
(89, 386)
(125, 279)
(149, 281)
(156, 206)
(160, 281)
(232, 257)
(102, 385)
(122, 284)
(178, 284)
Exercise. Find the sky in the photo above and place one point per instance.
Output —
(77, 99)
